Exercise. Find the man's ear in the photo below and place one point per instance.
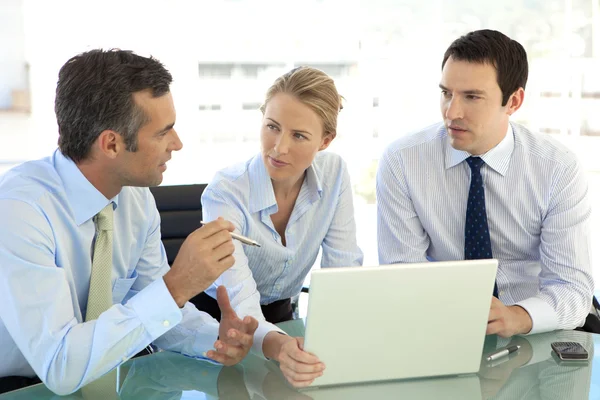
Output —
(326, 140)
(515, 101)
(110, 143)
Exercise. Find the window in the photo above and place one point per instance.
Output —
(385, 56)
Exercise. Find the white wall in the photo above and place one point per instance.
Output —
(12, 50)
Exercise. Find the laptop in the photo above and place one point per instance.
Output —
(399, 321)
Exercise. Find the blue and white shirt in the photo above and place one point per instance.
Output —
(46, 236)
(537, 207)
(323, 217)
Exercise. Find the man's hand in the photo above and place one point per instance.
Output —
(235, 336)
(202, 258)
(299, 367)
(507, 321)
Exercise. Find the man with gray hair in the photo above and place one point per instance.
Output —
(84, 278)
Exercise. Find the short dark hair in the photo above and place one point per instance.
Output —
(493, 47)
(94, 93)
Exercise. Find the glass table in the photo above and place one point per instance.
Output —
(533, 372)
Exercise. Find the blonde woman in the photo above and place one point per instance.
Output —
(293, 199)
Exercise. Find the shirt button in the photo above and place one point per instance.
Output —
(166, 323)
(501, 293)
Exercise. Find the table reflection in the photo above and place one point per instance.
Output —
(531, 373)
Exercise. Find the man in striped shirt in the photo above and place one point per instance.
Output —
(535, 192)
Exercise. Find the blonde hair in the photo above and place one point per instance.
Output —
(312, 87)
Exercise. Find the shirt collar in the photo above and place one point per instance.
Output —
(261, 187)
(313, 183)
(85, 200)
(497, 158)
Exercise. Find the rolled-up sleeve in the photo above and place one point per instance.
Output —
(566, 282)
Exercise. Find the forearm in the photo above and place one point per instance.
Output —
(570, 311)
(175, 282)
(78, 353)
(193, 336)
(523, 321)
(272, 344)
(244, 297)
(566, 284)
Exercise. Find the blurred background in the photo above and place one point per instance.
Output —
(385, 56)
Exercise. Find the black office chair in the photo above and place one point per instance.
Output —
(180, 214)
(592, 322)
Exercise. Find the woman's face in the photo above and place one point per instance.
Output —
(291, 135)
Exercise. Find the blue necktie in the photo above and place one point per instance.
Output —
(477, 235)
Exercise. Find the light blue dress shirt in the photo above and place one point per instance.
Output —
(46, 236)
(323, 217)
(538, 213)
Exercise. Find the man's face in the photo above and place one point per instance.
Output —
(471, 105)
(156, 140)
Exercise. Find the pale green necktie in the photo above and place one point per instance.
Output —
(100, 295)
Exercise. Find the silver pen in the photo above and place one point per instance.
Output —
(503, 352)
(241, 238)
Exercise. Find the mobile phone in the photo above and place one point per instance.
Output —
(570, 351)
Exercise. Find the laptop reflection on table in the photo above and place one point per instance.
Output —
(448, 388)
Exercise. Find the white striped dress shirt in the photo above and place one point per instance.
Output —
(538, 213)
(323, 217)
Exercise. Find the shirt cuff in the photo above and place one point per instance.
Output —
(202, 358)
(263, 329)
(543, 316)
(156, 308)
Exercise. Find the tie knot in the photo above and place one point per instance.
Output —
(475, 163)
(104, 218)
